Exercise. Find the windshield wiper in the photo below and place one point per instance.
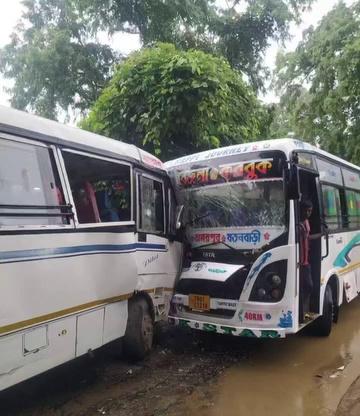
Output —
(216, 242)
(196, 219)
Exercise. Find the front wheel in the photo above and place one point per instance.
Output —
(139, 332)
(322, 325)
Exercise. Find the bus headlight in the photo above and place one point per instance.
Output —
(275, 280)
(276, 294)
(270, 283)
(261, 293)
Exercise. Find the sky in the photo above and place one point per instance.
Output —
(11, 12)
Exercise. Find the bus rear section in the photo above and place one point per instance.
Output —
(88, 252)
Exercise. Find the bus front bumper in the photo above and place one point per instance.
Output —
(239, 331)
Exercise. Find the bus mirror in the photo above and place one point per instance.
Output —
(292, 182)
(179, 216)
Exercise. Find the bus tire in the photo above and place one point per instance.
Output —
(322, 325)
(139, 332)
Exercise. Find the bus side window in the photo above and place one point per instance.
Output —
(332, 206)
(151, 205)
(353, 208)
(101, 189)
(29, 178)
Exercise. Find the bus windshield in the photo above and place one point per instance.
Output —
(237, 204)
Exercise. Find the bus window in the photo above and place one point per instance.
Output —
(353, 208)
(30, 187)
(332, 206)
(357, 200)
(101, 189)
(151, 205)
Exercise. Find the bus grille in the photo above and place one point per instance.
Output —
(230, 289)
(218, 313)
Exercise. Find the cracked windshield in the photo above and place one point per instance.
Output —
(242, 204)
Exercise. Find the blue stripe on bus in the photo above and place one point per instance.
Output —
(58, 252)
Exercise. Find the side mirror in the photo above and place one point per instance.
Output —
(179, 216)
(291, 178)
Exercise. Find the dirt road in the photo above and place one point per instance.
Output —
(106, 385)
(301, 375)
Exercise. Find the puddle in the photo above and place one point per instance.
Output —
(301, 375)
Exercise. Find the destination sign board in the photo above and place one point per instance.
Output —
(246, 170)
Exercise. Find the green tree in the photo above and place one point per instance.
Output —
(53, 60)
(243, 37)
(174, 102)
(327, 64)
(239, 30)
(266, 116)
(56, 62)
(285, 112)
(152, 20)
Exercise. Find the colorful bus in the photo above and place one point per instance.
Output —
(88, 251)
(241, 222)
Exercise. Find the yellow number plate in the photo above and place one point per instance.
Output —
(199, 302)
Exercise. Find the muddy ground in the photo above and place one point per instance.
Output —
(107, 384)
(188, 375)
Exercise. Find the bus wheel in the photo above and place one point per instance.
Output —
(322, 325)
(139, 332)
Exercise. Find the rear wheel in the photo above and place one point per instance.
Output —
(139, 333)
(322, 325)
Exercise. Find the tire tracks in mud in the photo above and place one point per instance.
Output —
(163, 386)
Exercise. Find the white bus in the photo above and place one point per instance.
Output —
(87, 245)
(241, 271)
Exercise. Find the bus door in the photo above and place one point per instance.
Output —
(310, 190)
(157, 254)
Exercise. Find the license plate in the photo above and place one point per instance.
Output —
(199, 302)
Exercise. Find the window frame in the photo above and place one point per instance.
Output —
(171, 208)
(53, 149)
(139, 175)
(348, 216)
(339, 182)
(340, 227)
(106, 159)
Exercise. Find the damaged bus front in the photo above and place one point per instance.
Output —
(239, 274)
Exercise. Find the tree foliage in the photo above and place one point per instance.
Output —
(320, 83)
(174, 102)
(239, 31)
(242, 37)
(55, 60)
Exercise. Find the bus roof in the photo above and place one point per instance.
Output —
(20, 123)
(287, 145)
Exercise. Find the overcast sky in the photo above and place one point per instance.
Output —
(11, 13)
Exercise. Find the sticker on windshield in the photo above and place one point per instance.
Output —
(250, 170)
(241, 238)
(249, 237)
(208, 237)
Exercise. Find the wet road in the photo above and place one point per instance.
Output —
(225, 376)
(298, 376)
